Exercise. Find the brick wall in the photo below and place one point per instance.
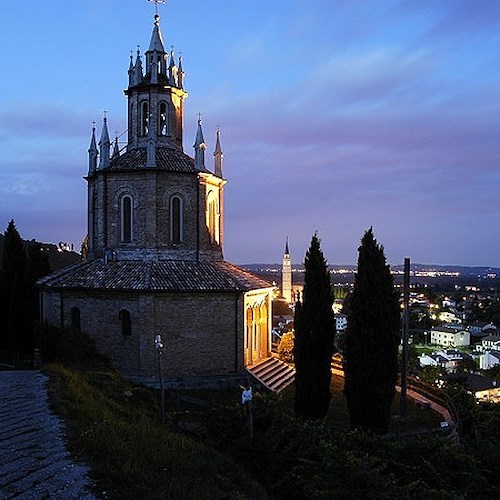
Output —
(202, 333)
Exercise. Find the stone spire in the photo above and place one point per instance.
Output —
(104, 146)
(199, 148)
(93, 152)
(218, 155)
(156, 57)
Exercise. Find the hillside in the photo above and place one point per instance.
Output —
(59, 257)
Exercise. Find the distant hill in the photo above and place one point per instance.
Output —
(421, 273)
(59, 256)
(462, 270)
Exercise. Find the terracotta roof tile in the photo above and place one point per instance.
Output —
(168, 159)
(165, 276)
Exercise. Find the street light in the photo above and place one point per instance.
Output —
(159, 347)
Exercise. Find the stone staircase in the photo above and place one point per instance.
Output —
(273, 374)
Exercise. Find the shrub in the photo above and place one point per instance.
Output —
(68, 347)
(285, 349)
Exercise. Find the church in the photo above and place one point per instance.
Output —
(154, 263)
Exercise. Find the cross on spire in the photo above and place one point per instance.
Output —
(156, 2)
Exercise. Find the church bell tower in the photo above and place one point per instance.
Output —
(149, 200)
(155, 98)
(286, 286)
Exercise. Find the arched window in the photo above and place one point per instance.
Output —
(144, 118)
(213, 218)
(75, 318)
(126, 324)
(126, 219)
(176, 219)
(163, 130)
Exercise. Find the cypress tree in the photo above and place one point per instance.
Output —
(37, 266)
(370, 358)
(314, 335)
(13, 291)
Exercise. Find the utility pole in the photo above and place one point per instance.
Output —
(405, 327)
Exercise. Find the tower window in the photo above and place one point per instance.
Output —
(176, 219)
(144, 118)
(75, 318)
(163, 118)
(126, 324)
(213, 218)
(126, 219)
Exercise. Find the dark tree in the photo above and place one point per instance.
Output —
(13, 291)
(314, 336)
(38, 266)
(373, 334)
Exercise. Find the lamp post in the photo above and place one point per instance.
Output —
(159, 347)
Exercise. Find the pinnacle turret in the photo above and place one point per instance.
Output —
(93, 153)
(199, 148)
(137, 75)
(116, 149)
(218, 155)
(180, 74)
(104, 146)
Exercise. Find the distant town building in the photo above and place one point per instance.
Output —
(155, 261)
(491, 342)
(482, 329)
(286, 278)
(340, 322)
(489, 359)
(482, 388)
(449, 359)
(449, 336)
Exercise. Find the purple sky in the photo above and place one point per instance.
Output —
(336, 115)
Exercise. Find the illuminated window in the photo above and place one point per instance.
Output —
(75, 318)
(213, 218)
(126, 219)
(176, 220)
(126, 324)
(163, 118)
(144, 118)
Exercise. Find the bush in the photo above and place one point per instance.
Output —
(285, 349)
(68, 347)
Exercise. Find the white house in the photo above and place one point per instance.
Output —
(448, 359)
(340, 322)
(491, 342)
(448, 317)
(452, 337)
(489, 359)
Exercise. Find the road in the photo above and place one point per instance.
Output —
(34, 461)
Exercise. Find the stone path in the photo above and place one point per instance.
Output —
(34, 462)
